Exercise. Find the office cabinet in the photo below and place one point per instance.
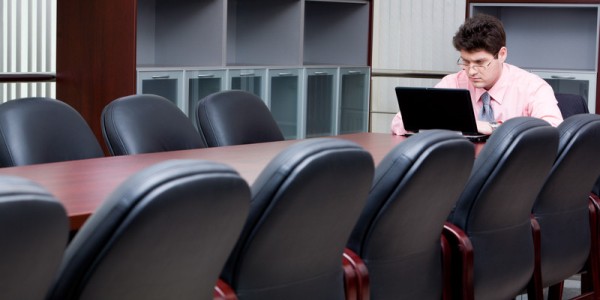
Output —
(336, 32)
(180, 32)
(264, 32)
(578, 83)
(118, 41)
(284, 99)
(166, 83)
(249, 80)
(201, 83)
(558, 41)
(354, 110)
(321, 101)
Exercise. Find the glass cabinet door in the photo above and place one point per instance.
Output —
(321, 102)
(248, 80)
(201, 83)
(578, 83)
(354, 100)
(163, 83)
(284, 100)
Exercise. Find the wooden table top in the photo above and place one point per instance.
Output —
(83, 185)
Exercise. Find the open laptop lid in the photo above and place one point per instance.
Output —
(436, 108)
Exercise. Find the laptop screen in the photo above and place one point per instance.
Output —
(436, 108)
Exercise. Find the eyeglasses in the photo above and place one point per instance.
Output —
(478, 67)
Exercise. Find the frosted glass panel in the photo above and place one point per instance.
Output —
(162, 87)
(319, 105)
(284, 104)
(353, 107)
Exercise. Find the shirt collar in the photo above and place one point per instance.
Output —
(499, 88)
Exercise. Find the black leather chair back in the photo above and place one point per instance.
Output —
(304, 206)
(147, 123)
(495, 208)
(43, 130)
(571, 104)
(165, 233)
(398, 234)
(235, 118)
(562, 205)
(33, 229)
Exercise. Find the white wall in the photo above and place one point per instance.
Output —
(410, 35)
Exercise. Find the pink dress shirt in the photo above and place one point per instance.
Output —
(516, 93)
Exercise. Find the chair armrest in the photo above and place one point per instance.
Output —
(535, 287)
(356, 276)
(593, 273)
(223, 291)
(446, 268)
(461, 264)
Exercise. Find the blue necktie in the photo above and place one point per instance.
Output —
(487, 113)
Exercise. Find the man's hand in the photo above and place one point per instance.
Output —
(484, 127)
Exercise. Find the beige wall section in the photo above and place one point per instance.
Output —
(410, 35)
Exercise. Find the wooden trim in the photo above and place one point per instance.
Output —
(95, 55)
(535, 287)
(462, 262)
(360, 274)
(223, 291)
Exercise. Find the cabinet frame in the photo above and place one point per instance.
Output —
(565, 3)
(97, 51)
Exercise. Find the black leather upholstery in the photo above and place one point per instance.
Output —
(398, 234)
(43, 130)
(147, 123)
(495, 208)
(235, 118)
(304, 206)
(33, 229)
(562, 205)
(165, 233)
(570, 104)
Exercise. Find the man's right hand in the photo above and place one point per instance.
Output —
(484, 127)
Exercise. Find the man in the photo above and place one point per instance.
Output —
(509, 90)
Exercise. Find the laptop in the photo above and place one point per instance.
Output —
(438, 108)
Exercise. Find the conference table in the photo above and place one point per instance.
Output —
(82, 185)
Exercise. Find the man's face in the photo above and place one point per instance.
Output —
(482, 67)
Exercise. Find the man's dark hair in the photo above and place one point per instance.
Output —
(480, 32)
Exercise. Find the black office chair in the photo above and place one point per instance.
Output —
(495, 208)
(34, 229)
(304, 206)
(398, 234)
(571, 104)
(165, 233)
(562, 207)
(43, 130)
(147, 123)
(235, 118)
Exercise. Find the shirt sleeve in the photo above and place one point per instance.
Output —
(398, 125)
(449, 82)
(544, 105)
